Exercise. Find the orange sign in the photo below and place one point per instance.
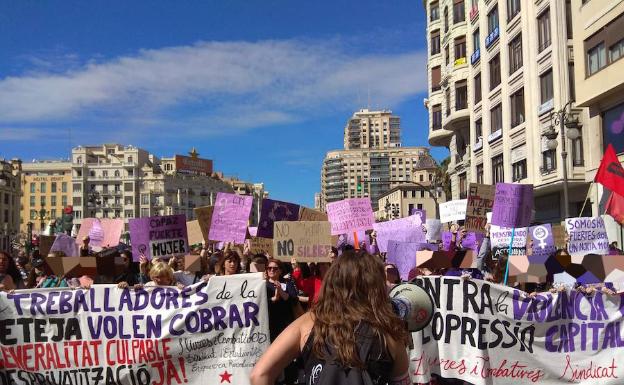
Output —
(193, 165)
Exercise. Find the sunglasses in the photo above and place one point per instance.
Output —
(271, 268)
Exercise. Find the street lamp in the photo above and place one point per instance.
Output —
(434, 190)
(387, 208)
(564, 119)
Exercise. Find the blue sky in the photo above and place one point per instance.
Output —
(263, 88)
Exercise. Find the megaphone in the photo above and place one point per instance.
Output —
(413, 305)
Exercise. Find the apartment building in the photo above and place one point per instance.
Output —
(372, 161)
(46, 191)
(498, 73)
(10, 190)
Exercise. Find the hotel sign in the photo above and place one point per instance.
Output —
(193, 165)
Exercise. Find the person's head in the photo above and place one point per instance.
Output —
(5, 260)
(274, 269)
(86, 240)
(258, 264)
(355, 284)
(333, 254)
(392, 274)
(126, 257)
(614, 245)
(229, 264)
(304, 268)
(314, 269)
(161, 274)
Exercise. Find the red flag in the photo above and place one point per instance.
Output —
(610, 173)
(615, 207)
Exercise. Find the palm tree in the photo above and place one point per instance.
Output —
(442, 177)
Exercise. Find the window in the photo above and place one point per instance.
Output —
(33, 214)
(496, 117)
(117, 174)
(78, 214)
(79, 160)
(42, 187)
(33, 188)
(64, 200)
(497, 169)
(543, 30)
(32, 201)
(475, 40)
(435, 42)
(434, 11)
(446, 19)
(549, 160)
(519, 170)
(459, 13)
(128, 213)
(515, 54)
(616, 51)
(461, 95)
(477, 88)
(546, 87)
(77, 187)
(127, 187)
(495, 74)
(480, 173)
(130, 159)
(493, 20)
(435, 78)
(517, 108)
(43, 200)
(105, 173)
(596, 59)
(145, 212)
(422, 178)
(145, 199)
(447, 55)
(513, 8)
(64, 187)
(460, 47)
(436, 117)
(478, 130)
(569, 19)
(53, 200)
(577, 151)
(53, 187)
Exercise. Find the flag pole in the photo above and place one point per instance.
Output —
(513, 234)
(587, 197)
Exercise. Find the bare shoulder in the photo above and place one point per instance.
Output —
(304, 324)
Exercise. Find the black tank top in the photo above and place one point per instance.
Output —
(372, 352)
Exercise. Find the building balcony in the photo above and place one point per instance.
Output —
(492, 37)
(440, 137)
(458, 119)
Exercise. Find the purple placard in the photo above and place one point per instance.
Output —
(421, 213)
(350, 215)
(428, 246)
(543, 240)
(229, 218)
(402, 230)
(471, 241)
(513, 205)
(403, 255)
(66, 244)
(253, 231)
(161, 237)
(273, 211)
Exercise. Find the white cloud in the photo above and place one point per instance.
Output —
(212, 87)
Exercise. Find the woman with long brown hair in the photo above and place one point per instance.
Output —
(350, 333)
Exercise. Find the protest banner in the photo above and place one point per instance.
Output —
(66, 245)
(311, 215)
(204, 217)
(500, 238)
(194, 232)
(453, 211)
(350, 215)
(161, 237)
(229, 218)
(401, 230)
(480, 201)
(513, 205)
(209, 333)
(259, 245)
(543, 241)
(488, 334)
(103, 232)
(305, 241)
(403, 256)
(434, 229)
(588, 235)
(273, 211)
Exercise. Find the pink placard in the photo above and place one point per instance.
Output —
(103, 232)
(350, 215)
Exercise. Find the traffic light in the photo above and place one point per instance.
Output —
(359, 183)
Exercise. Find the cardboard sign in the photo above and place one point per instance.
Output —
(259, 245)
(306, 241)
(401, 230)
(102, 232)
(273, 211)
(403, 256)
(65, 244)
(204, 218)
(192, 263)
(159, 237)
(500, 238)
(195, 235)
(480, 201)
(453, 211)
(588, 235)
(434, 230)
(72, 266)
(311, 215)
(513, 205)
(229, 218)
(350, 215)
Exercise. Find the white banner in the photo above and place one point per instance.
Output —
(588, 235)
(500, 238)
(489, 334)
(453, 211)
(205, 334)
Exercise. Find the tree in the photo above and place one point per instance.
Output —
(443, 178)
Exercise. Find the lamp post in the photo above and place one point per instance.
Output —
(387, 207)
(29, 229)
(433, 190)
(564, 119)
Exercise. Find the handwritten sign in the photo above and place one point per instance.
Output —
(513, 205)
(588, 235)
(453, 211)
(258, 245)
(229, 218)
(158, 237)
(480, 201)
(403, 256)
(306, 241)
(273, 211)
(204, 218)
(311, 215)
(500, 238)
(401, 230)
(156, 335)
(350, 215)
(102, 232)
(194, 232)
